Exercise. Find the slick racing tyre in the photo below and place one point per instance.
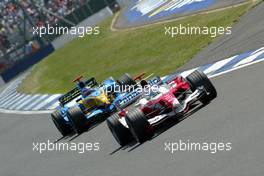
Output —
(64, 128)
(197, 79)
(126, 80)
(122, 134)
(77, 119)
(138, 125)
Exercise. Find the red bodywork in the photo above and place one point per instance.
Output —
(154, 107)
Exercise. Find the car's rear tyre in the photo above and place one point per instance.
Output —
(197, 79)
(122, 134)
(64, 128)
(77, 119)
(126, 80)
(138, 125)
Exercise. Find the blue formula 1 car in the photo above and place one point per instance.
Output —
(87, 96)
(94, 102)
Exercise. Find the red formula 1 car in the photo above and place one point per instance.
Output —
(171, 99)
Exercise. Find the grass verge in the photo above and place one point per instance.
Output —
(116, 52)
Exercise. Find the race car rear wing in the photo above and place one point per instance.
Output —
(74, 93)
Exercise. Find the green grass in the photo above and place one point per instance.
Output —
(114, 53)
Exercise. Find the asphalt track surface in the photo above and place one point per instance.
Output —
(236, 116)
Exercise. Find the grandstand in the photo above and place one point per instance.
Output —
(18, 17)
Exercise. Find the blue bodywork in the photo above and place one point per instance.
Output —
(121, 100)
(80, 92)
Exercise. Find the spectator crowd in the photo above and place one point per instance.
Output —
(40, 12)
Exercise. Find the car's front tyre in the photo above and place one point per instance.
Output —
(197, 79)
(138, 125)
(64, 128)
(77, 119)
(122, 134)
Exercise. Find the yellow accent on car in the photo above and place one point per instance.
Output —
(91, 102)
